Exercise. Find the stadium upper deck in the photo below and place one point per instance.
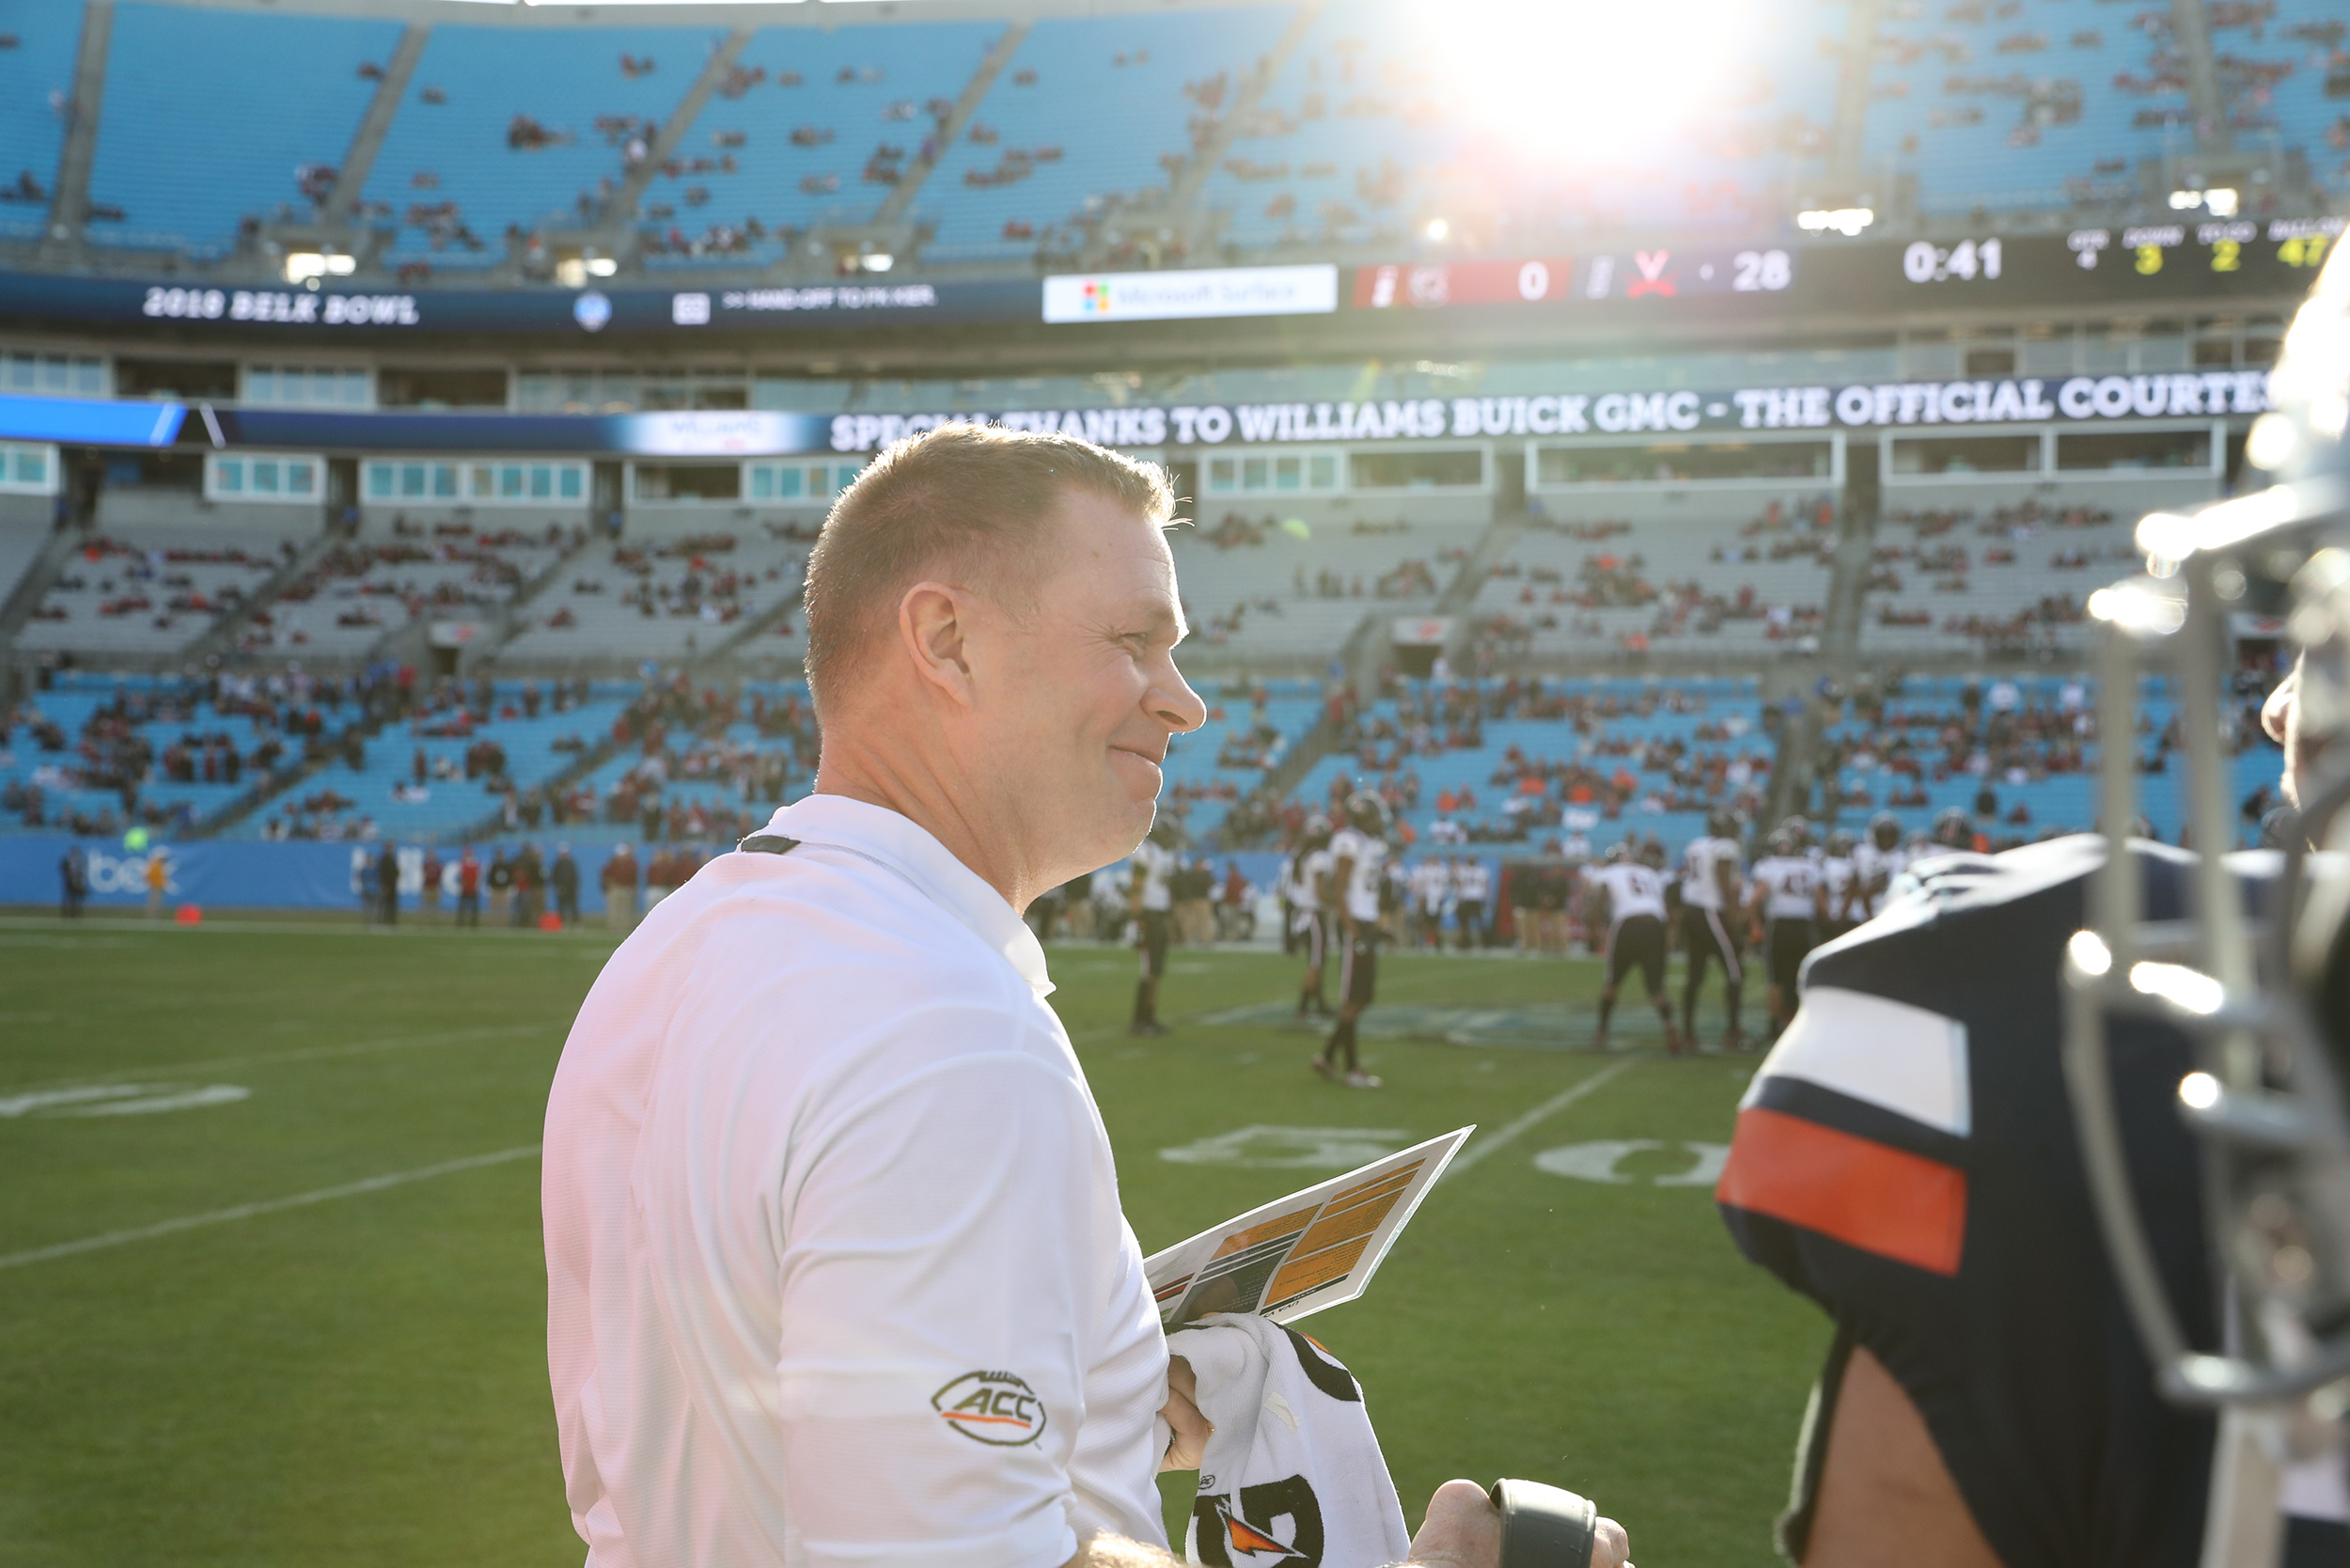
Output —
(441, 138)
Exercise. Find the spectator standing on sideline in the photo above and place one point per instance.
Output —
(387, 884)
(620, 888)
(563, 876)
(530, 886)
(158, 873)
(73, 884)
(371, 902)
(501, 878)
(428, 892)
(468, 888)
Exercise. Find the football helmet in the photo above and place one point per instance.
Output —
(1953, 829)
(1367, 813)
(1841, 843)
(1721, 825)
(1317, 834)
(2261, 991)
(1885, 831)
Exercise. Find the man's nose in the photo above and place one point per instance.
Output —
(1176, 704)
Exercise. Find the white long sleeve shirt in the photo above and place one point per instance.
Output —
(837, 1270)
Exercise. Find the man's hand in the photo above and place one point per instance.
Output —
(1182, 1412)
(1461, 1529)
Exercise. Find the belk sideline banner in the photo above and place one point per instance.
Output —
(258, 873)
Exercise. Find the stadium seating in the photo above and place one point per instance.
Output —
(708, 779)
(36, 82)
(514, 126)
(2007, 103)
(814, 126)
(662, 596)
(1218, 773)
(2032, 739)
(148, 591)
(2010, 581)
(382, 794)
(1695, 575)
(1257, 588)
(1352, 144)
(1581, 762)
(386, 578)
(1089, 112)
(1983, 105)
(162, 164)
(20, 544)
(184, 753)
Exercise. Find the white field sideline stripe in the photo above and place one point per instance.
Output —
(248, 1210)
(1479, 1148)
(302, 1053)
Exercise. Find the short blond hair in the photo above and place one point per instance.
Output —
(966, 504)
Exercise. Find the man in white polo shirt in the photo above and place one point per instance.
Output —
(836, 1270)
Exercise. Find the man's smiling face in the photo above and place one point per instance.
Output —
(1091, 694)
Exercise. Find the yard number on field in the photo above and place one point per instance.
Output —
(1597, 1162)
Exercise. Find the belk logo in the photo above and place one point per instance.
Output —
(992, 1408)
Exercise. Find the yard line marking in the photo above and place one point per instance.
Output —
(248, 1210)
(1477, 1150)
(302, 1053)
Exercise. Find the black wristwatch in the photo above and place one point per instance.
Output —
(1544, 1527)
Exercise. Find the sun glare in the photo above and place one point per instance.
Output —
(1586, 84)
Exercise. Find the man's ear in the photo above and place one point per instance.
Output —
(934, 624)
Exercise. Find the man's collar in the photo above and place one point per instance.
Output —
(903, 846)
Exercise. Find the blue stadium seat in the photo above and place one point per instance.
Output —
(173, 154)
(32, 120)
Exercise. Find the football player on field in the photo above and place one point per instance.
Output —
(1627, 900)
(1840, 889)
(1304, 886)
(1359, 854)
(1786, 909)
(1711, 893)
(1877, 861)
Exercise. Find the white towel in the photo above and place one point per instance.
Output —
(1293, 1476)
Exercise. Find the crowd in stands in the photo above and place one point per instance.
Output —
(2013, 549)
(370, 584)
(152, 582)
(445, 709)
(709, 762)
(226, 731)
(1597, 773)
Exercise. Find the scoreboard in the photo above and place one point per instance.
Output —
(2149, 263)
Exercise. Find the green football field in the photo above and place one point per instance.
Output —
(270, 1250)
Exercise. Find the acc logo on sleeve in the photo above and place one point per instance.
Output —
(992, 1408)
